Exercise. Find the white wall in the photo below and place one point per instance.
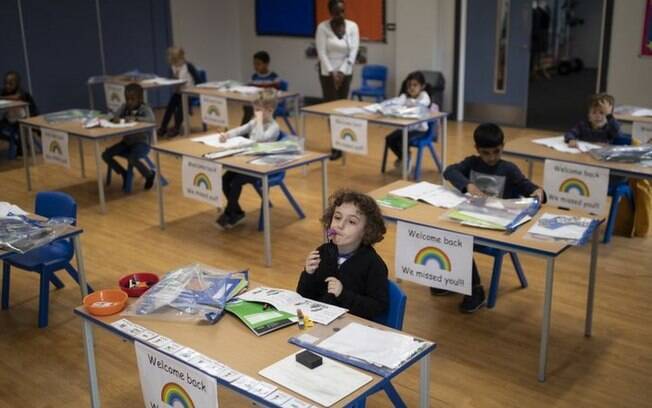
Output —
(586, 37)
(629, 77)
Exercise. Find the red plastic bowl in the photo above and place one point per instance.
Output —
(146, 279)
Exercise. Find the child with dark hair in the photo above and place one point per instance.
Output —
(487, 175)
(13, 91)
(347, 271)
(600, 126)
(414, 92)
(262, 77)
(132, 147)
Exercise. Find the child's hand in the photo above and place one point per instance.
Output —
(223, 137)
(606, 107)
(334, 286)
(474, 190)
(312, 262)
(572, 143)
(538, 194)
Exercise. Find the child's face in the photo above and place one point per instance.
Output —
(490, 155)
(132, 100)
(175, 59)
(260, 67)
(597, 116)
(267, 112)
(348, 223)
(11, 84)
(414, 88)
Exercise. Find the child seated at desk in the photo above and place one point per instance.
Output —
(179, 69)
(347, 271)
(487, 175)
(600, 126)
(136, 146)
(262, 128)
(263, 78)
(414, 92)
(13, 91)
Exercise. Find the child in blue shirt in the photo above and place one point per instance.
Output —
(600, 126)
(263, 78)
(136, 146)
(487, 175)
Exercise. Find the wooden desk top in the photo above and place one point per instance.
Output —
(186, 147)
(631, 119)
(230, 342)
(430, 216)
(524, 147)
(235, 96)
(328, 108)
(8, 104)
(74, 127)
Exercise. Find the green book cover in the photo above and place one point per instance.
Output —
(399, 203)
(259, 317)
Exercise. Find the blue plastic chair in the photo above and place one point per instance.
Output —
(277, 179)
(618, 191)
(420, 143)
(130, 173)
(281, 108)
(374, 82)
(498, 256)
(202, 78)
(48, 259)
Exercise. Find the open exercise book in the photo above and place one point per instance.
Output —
(288, 301)
(433, 194)
(558, 144)
(259, 317)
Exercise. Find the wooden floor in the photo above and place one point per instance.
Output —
(488, 359)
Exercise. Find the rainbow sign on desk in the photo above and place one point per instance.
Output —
(214, 110)
(202, 180)
(115, 96)
(55, 147)
(349, 134)
(434, 257)
(576, 186)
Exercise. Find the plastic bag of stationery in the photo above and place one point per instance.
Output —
(194, 293)
(493, 213)
(21, 234)
(624, 154)
(562, 228)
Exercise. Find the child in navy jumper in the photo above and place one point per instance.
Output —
(262, 77)
(347, 271)
(487, 175)
(600, 126)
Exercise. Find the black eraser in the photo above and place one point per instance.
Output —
(308, 359)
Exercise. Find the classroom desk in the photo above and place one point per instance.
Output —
(329, 108)
(232, 343)
(523, 148)
(124, 80)
(75, 128)
(197, 91)
(632, 119)
(429, 216)
(240, 164)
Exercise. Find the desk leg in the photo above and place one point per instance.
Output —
(81, 157)
(32, 145)
(296, 111)
(424, 381)
(100, 183)
(444, 139)
(266, 226)
(23, 143)
(588, 325)
(545, 323)
(530, 168)
(81, 271)
(89, 347)
(302, 133)
(406, 157)
(159, 190)
(324, 184)
(91, 100)
(186, 116)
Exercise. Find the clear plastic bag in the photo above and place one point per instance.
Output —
(191, 293)
(623, 154)
(494, 213)
(561, 228)
(21, 234)
(71, 115)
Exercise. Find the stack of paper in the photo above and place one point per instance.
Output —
(632, 111)
(163, 81)
(561, 227)
(280, 147)
(399, 203)
(558, 144)
(275, 160)
(213, 140)
(7, 209)
(433, 194)
(494, 213)
(246, 90)
(381, 348)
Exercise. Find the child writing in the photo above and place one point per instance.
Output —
(262, 77)
(487, 175)
(179, 69)
(13, 91)
(132, 147)
(413, 93)
(600, 126)
(347, 271)
(262, 128)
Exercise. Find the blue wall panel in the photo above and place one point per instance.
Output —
(11, 42)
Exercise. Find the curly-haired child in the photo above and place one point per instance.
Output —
(347, 271)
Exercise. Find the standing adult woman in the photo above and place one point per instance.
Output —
(337, 41)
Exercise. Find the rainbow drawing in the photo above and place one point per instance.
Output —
(202, 179)
(175, 396)
(436, 255)
(573, 184)
(55, 147)
(213, 110)
(349, 134)
(115, 97)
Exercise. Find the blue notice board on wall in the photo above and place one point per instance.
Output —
(285, 17)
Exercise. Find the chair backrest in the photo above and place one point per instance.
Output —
(393, 317)
(55, 204)
(201, 76)
(622, 139)
(376, 73)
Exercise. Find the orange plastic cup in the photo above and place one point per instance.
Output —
(105, 302)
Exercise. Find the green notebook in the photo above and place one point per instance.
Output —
(259, 317)
(399, 203)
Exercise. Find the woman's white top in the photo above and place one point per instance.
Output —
(423, 99)
(337, 54)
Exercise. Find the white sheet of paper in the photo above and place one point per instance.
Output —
(433, 194)
(8, 208)
(379, 347)
(574, 232)
(326, 384)
(558, 144)
(213, 140)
